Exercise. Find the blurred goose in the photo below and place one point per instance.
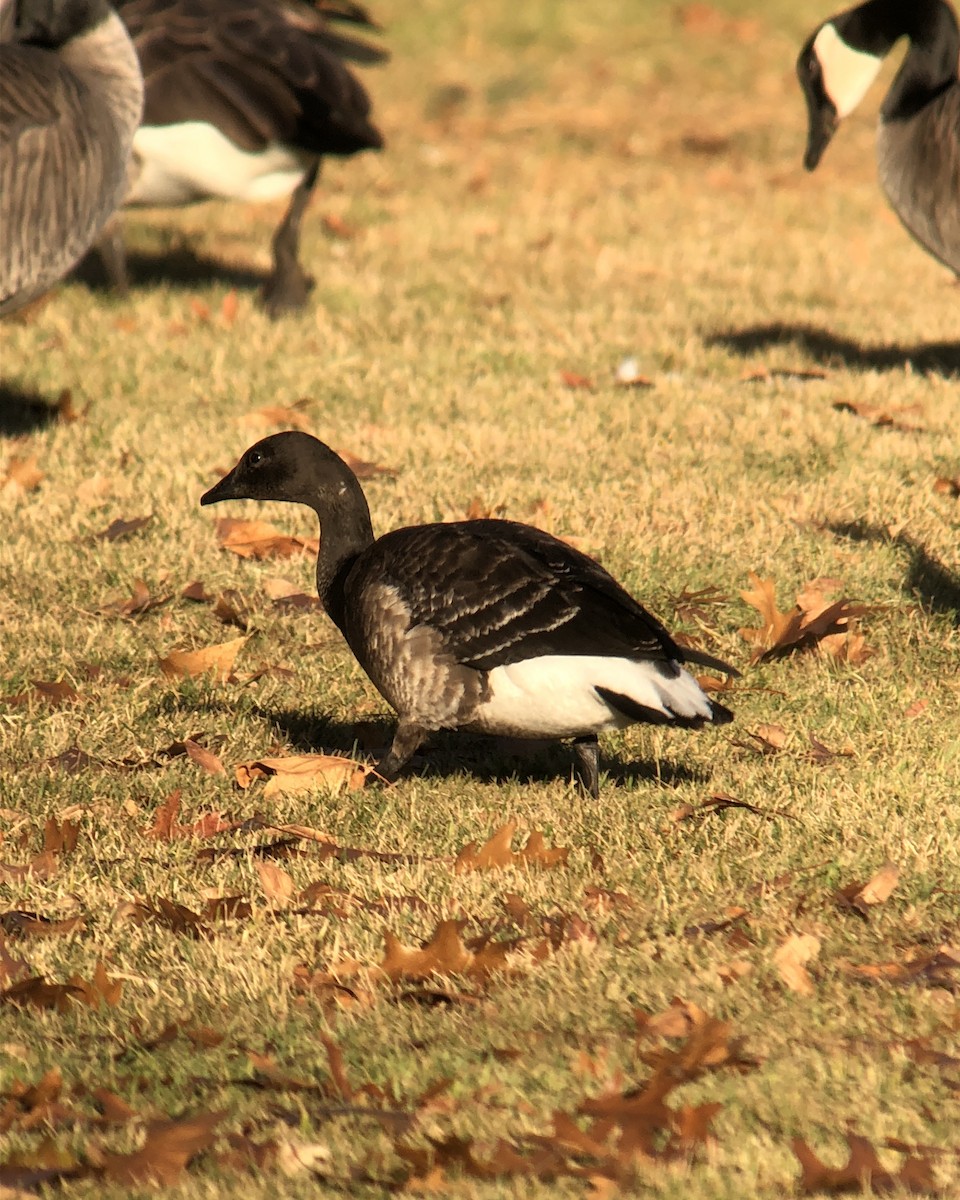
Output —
(918, 143)
(488, 626)
(70, 101)
(243, 98)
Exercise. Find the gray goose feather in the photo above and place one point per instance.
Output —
(70, 102)
(488, 626)
(918, 140)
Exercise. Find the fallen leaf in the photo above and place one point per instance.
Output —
(947, 487)
(910, 712)
(258, 539)
(302, 772)
(291, 417)
(572, 380)
(66, 411)
(122, 529)
(497, 854)
(137, 604)
(168, 1149)
(877, 890)
(101, 990)
(22, 476)
(204, 758)
(861, 1171)
(761, 374)
(277, 884)
(800, 629)
(791, 958)
(899, 417)
(228, 309)
(216, 661)
(363, 469)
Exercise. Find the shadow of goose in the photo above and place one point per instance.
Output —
(449, 754)
(180, 268)
(935, 584)
(23, 410)
(832, 350)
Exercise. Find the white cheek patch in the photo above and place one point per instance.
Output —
(847, 73)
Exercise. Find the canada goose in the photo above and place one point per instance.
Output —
(488, 626)
(243, 98)
(70, 101)
(918, 142)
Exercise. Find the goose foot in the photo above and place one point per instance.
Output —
(586, 751)
(406, 741)
(289, 285)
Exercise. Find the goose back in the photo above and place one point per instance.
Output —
(260, 82)
(67, 119)
(438, 614)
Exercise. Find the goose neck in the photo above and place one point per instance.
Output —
(345, 532)
(104, 57)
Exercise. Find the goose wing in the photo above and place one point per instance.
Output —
(260, 70)
(54, 180)
(499, 592)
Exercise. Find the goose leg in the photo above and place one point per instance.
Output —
(289, 285)
(406, 741)
(586, 751)
(113, 255)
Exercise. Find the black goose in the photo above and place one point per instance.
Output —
(488, 626)
(918, 142)
(243, 99)
(70, 101)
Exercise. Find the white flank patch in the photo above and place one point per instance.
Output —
(178, 164)
(847, 73)
(555, 695)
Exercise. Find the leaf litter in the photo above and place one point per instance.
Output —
(814, 622)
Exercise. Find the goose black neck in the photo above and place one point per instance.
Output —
(345, 532)
(930, 64)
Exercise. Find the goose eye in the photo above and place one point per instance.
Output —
(255, 458)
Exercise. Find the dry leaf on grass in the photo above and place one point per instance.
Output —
(302, 772)
(167, 1151)
(277, 884)
(899, 417)
(571, 379)
(363, 469)
(291, 417)
(945, 486)
(258, 539)
(166, 827)
(862, 1170)
(861, 897)
(790, 959)
(762, 374)
(933, 969)
(812, 622)
(139, 602)
(22, 476)
(496, 853)
(215, 661)
(121, 528)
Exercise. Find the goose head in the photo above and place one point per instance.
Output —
(836, 66)
(297, 468)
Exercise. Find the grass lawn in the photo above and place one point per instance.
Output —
(683, 993)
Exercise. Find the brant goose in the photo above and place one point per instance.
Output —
(70, 100)
(487, 626)
(242, 100)
(918, 142)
